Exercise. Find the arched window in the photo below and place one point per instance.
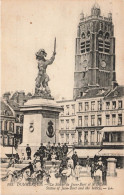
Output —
(17, 118)
(107, 42)
(21, 118)
(11, 126)
(88, 33)
(5, 125)
(106, 35)
(83, 47)
(100, 34)
(83, 35)
(100, 41)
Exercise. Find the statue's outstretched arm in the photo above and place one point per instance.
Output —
(50, 61)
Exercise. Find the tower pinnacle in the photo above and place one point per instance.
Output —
(95, 10)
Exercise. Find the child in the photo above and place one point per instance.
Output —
(22, 158)
(53, 158)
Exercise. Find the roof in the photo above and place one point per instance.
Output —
(14, 105)
(64, 100)
(95, 92)
(116, 92)
(106, 93)
(6, 109)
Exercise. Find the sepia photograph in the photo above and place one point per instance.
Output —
(62, 97)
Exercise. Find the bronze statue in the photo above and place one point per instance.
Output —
(41, 86)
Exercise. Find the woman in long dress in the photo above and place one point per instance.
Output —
(77, 171)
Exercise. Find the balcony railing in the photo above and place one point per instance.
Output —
(89, 143)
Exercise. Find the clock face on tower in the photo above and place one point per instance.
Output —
(103, 64)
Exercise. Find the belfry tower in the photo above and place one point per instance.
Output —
(95, 53)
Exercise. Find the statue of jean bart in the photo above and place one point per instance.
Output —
(42, 79)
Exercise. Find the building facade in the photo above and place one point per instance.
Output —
(7, 125)
(97, 124)
(88, 115)
(12, 118)
(67, 122)
(98, 115)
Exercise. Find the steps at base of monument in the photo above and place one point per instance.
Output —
(27, 161)
(4, 165)
(4, 172)
(51, 163)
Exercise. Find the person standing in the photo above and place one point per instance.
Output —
(48, 149)
(65, 149)
(92, 170)
(98, 175)
(53, 148)
(70, 163)
(104, 174)
(41, 160)
(77, 171)
(28, 151)
(59, 152)
(17, 158)
(75, 159)
(42, 149)
(64, 161)
(88, 163)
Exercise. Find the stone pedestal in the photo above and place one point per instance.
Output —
(111, 167)
(41, 123)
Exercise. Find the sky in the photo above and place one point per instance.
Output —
(29, 25)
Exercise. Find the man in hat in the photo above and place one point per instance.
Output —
(59, 152)
(75, 159)
(42, 149)
(28, 151)
(65, 149)
(42, 78)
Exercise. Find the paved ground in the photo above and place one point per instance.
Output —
(84, 184)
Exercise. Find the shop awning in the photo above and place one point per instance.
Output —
(113, 129)
(5, 151)
(111, 152)
(83, 153)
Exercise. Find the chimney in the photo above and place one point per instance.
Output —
(6, 96)
(21, 98)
